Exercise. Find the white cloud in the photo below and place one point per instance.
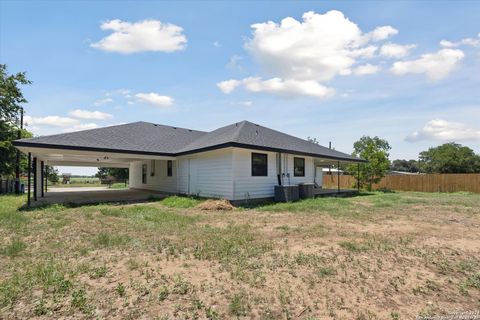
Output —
(146, 35)
(101, 102)
(366, 69)
(228, 86)
(474, 42)
(216, 44)
(278, 86)
(393, 50)
(299, 57)
(55, 121)
(85, 114)
(155, 99)
(382, 33)
(82, 126)
(288, 87)
(444, 130)
(435, 66)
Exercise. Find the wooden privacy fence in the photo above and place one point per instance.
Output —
(450, 182)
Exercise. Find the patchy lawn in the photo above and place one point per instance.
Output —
(376, 256)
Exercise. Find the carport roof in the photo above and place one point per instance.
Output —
(156, 139)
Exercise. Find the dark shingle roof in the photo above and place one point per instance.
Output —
(149, 138)
(138, 137)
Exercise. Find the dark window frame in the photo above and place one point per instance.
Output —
(169, 168)
(302, 174)
(144, 173)
(152, 168)
(262, 171)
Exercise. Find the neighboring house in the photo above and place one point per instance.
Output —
(240, 161)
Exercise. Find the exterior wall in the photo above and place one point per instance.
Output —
(159, 182)
(213, 171)
(225, 173)
(247, 186)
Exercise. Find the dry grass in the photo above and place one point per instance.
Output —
(378, 256)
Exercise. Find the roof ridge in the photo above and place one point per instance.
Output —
(238, 129)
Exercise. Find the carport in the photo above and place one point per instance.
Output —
(39, 156)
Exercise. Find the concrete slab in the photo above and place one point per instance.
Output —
(97, 195)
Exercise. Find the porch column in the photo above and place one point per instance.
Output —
(358, 177)
(338, 176)
(29, 177)
(42, 176)
(38, 178)
(35, 171)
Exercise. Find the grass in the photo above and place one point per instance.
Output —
(14, 248)
(344, 258)
(180, 202)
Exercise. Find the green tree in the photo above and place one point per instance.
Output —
(51, 173)
(11, 96)
(9, 132)
(117, 173)
(376, 152)
(405, 165)
(449, 158)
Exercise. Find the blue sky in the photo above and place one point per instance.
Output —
(407, 72)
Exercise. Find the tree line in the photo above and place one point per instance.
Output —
(446, 158)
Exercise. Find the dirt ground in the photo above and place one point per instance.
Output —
(377, 256)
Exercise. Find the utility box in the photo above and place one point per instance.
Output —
(286, 193)
(305, 190)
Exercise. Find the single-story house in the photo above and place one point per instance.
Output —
(236, 162)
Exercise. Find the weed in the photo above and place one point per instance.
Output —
(121, 291)
(211, 314)
(79, 301)
(14, 248)
(238, 305)
(354, 246)
(98, 272)
(163, 293)
(180, 286)
(106, 240)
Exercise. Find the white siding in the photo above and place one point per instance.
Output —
(247, 186)
(159, 181)
(214, 174)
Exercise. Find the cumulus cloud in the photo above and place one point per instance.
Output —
(155, 99)
(54, 121)
(228, 86)
(85, 114)
(141, 36)
(435, 66)
(82, 126)
(317, 48)
(393, 50)
(444, 130)
(382, 33)
(278, 86)
(366, 69)
(299, 57)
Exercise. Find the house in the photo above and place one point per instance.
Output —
(236, 162)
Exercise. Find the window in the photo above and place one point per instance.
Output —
(259, 165)
(299, 167)
(169, 168)
(152, 168)
(144, 173)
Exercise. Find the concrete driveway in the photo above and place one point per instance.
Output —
(90, 195)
